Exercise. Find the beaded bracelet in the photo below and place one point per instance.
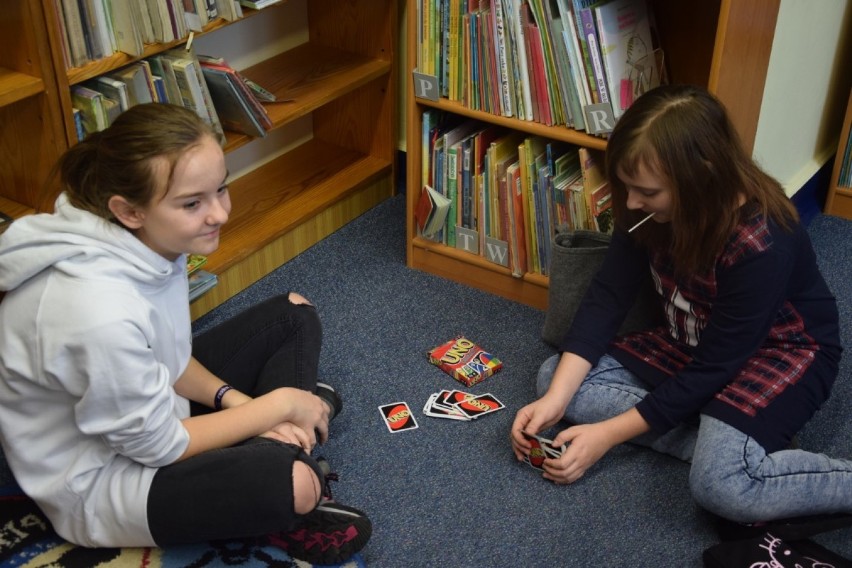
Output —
(217, 400)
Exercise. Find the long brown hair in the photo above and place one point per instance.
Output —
(118, 160)
(683, 134)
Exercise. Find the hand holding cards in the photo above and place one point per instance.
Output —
(541, 449)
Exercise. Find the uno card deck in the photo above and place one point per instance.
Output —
(541, 449)
(398, 417)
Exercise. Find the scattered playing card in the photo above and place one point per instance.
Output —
(460, 405)
(480, 405)
(398, 417)
(435, 409)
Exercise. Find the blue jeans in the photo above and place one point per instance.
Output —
(731, 474)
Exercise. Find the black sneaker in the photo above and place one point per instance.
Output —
(330, 534)
(796, 528)
(330, 396)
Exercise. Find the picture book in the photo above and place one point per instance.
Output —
(194, 262)
(464, 360)
(431, 212)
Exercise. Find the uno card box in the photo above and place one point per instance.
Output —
(465, 361)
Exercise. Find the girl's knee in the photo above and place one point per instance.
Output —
(296, 298)
(727, 497)
(306, 488)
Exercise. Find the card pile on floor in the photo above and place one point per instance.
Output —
(542, 449)
(460, 405)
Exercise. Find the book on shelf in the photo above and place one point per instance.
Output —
(158, 15)
(112, 88)
(128, 38)
(92, 109)
(73, 24)
(431, 211)
(249, 92)
(193, 88)
(136, 81)
(233, 109)
(626, 51)
(200, 282)
(194, 262)
(258, 4)
(464, 360)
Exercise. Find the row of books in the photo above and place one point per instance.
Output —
(94, 29)
(578, 63)
(218, 93)
(502, 195)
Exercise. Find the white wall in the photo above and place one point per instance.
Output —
(807, 86)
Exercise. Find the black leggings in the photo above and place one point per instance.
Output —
(247, 489)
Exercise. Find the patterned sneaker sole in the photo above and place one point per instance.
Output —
(331, 535)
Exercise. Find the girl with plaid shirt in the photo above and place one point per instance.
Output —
(749, 346)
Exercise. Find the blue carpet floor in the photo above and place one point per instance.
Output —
(451, 493)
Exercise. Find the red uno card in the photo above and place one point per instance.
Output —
(398, 417)
(537, 454)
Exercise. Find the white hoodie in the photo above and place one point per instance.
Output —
(94, 331)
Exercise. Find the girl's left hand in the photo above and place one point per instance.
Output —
(585, 445)
(289, 433)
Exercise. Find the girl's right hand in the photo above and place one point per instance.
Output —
(533, 418)
(306, 410)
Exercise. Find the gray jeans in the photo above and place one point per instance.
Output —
(731, 474)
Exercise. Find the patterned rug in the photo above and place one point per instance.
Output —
(27, 540)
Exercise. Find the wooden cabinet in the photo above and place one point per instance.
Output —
(839, 200)
(723, 45)
(341, 82)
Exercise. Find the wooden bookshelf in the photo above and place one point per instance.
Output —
(723, 45)
(340, 81)
(839, 199)
(31, 134)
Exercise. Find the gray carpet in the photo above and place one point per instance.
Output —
(451, 493)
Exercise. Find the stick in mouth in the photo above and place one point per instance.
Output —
(631, 229)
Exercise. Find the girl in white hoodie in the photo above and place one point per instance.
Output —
(121, 428)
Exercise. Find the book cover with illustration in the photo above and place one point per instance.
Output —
(464, 360)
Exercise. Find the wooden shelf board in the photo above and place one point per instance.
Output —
(552, 132)
(271, 200)
(306, 78)
(475, 271)
(16, 86)
(311, 75)
(14, 209)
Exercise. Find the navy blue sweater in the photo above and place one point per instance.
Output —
(753, 342)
